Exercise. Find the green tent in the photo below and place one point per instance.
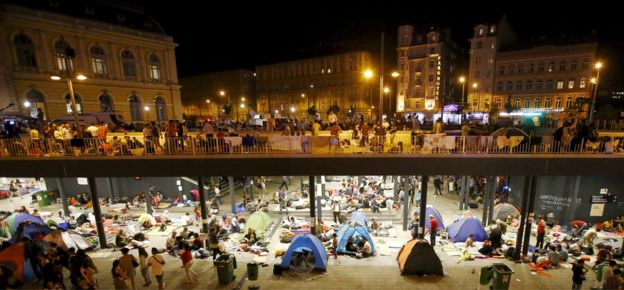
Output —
(259, 222)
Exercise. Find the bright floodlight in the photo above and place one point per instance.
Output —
(81, 77)
(55, 78)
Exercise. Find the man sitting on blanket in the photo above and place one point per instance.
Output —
(121, 240)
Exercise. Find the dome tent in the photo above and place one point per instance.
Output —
(462, 228)
(308, 243)
(347, 231)
(417, 257)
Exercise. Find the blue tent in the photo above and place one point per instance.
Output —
(432, 211)
(360, 218)
(462, 228)
(310, 243)
(347, 231)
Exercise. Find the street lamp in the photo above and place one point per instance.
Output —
(462, 80)
(595, 81)
(368, 75)
(69, 53)
(146, 108)
(475, 86)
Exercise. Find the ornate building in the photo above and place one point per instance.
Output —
(126, 56)
(427, 67)
(290, 88)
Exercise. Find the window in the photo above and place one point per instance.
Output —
(153, 67)
(489, 74)
(480, 31)
(521, 69)
(68, 103)
(37, 102)
(430, 78)
(538, 102)
(509, 85)
(531, 68)
(492, 45)
(490, 60)
(573, 66)
(498, 103)
(562, 66)
(135, 108)
(568, 102)
(529, 85)
(582, 83)
(517, 103)
(475, 103)
(518, 85)
(511, 69)
(551, 67)
(549, 84)
(432, 50)
(540, 68)
(161, 108)
(106, 103)
(128, 63)
(585, 64)
(547, 103)
(477, 74)
(559, 85)
(539, 84)
(25, 51)
(558, 103)
(478, 59)
(479, 45)
(501, 70)
(527, 102)
(98, 60)
(417, 105)
(492, 28)
(431, 64)
(62, 50)
(570, 84)
(499, 86)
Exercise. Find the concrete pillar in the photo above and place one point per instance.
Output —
(523, 213)
(486, 196)
(232, 194)
(312, 204)
(406, 206)
(461, 192)
(110, 188)
(530, 216)
(491, 203)
(97, 212)
(64, 202)
(148, 200)
(202, 203)
(423, 206)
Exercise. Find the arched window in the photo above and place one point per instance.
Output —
(25, 51)
(538, 102)
(106, 103)
(98, 60)
(69, 103)
(498, 103)
(153, 67)
(63, 51)
(34, 102)
(568, 102)
(135, 108)
(558, 103)
(161, 109)
(547, 103)
(128, 64)
(582, 83)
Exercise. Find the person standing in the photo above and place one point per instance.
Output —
(433, 230)
(284, 182)
(437, 183)
(578, 274)
(119, 276)
(213, 241)
(187, 263)
(336, 212)
(157, 262)
(128, 263)
(541, 231)
(607, 272)
(144, 267)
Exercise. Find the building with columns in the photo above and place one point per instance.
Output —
(544, 78)
(290, 88)
(127, 57)
(427, 65)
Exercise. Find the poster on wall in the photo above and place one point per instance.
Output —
(597, 209)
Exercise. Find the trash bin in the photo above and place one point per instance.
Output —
(486, 275)
(225, 269)
(42, 198)
(252, 271)
(501, 277)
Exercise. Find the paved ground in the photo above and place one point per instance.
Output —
(379, 272)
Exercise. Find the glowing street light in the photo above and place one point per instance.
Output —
(81, 77)
(292, 109)
(595, 81)
(222, 93)
(26, 104)
(368, 74)
(386, 90)
(395, 74)
(462, 80)
(55, 78)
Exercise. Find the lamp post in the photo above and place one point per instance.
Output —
(475, 86)
(368, 75)
(146, 108)
(462, 80)
(68, 54)
(595, 81)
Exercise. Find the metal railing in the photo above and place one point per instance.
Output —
(398, 144)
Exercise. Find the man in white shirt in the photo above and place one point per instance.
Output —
(157, 262)
(93, 130)
(336, 211)
(366, 249)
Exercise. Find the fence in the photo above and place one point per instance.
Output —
(398, 144)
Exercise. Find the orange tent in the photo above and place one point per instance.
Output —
(13, 257)
(417, 257)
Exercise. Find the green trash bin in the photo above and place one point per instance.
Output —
(252, 271)
(42, 198)
(502, 277)
(486, 275)
(225, 269)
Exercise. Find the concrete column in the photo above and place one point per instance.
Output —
(492, 198)
(523, 213)
(202, 203)
(232, 194)
(530, 216)
(486, 197)
(148, 200)
(406, 206)
(97, 212)
(466, 192)
(61, 190)
(461, 192)
(312, 204)
(110, 188)
(423, 206)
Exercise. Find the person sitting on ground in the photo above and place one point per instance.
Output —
(234, 225)
(251, 237)
(375, 225)
(121, 240)
(589, 237)
(197, 242)
(577, 227)
(487, 249)
(185, 233)
(470, 241)
(172, 243)
(350, 248)
(365, 248)
(554, 256)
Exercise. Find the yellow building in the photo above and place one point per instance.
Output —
(126, 56)
(290, 88)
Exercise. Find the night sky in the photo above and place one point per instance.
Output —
(233, 34)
